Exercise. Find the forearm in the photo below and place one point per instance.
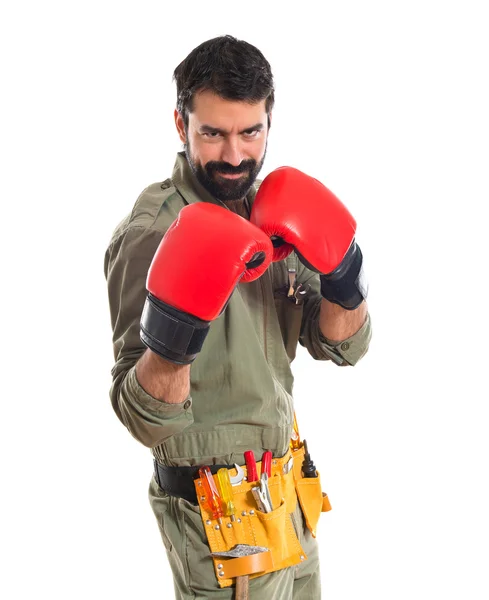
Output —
(162, 379)
(337, 323)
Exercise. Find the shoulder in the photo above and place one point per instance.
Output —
(154, 211)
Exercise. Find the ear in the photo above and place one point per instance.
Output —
(269, 120)
(180, 126)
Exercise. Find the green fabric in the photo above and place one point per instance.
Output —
(186, 546)
(241, 381)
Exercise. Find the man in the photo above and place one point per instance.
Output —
(205, 326)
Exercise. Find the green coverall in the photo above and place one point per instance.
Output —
(241, 383)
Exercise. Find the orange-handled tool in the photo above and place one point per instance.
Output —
(212, 500)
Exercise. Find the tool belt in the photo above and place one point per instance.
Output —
(274, 530)
(179, 481)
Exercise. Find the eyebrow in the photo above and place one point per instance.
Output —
(209, 129)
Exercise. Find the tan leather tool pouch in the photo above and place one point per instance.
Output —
(311, 497)
(273, 530)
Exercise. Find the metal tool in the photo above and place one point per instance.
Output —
(251, 472)
(238, 477)
(242, 581)
(226, 492)
(261, 494)
(212, 500)
(301, 292)
(288, 465)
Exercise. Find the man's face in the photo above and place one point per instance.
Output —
(225, 143)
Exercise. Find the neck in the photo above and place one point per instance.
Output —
(240, 207)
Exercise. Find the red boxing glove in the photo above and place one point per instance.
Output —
(200, 260)
(299, 212)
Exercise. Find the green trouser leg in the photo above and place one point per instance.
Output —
(186, 545)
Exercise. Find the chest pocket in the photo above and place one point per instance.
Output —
(289, 298)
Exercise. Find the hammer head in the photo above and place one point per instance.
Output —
(240, 550)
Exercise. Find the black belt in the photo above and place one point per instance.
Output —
(179, 481)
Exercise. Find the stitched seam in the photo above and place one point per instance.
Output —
(187, 562)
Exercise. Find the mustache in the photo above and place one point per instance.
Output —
(245, 167)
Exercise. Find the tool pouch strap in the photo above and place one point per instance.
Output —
(326, 503)
(312, 499)
(246, 565)
(273, 530)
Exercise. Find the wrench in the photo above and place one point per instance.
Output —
(239, 475)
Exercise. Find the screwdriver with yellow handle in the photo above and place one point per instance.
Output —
(212, 500)
(226, 492)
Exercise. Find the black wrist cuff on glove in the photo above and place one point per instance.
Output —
(346, 285)
(171, 333)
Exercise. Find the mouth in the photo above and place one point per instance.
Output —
(230, 175)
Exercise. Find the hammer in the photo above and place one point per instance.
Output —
(242, 581)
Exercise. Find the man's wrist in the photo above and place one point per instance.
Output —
(349, 350)
(337, 323)
(162, 379)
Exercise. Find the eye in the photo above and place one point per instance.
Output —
(211, 134)
(251, 134)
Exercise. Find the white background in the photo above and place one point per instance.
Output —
(386, 103)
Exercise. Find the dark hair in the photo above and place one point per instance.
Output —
(231, 68)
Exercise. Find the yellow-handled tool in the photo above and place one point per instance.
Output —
(295, 440)
(226, 492)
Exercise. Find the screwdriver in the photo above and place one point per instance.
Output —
(251, 473)
(212, 500)
(226, 492)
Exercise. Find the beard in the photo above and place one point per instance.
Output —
(219, 187)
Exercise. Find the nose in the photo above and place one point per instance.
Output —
(232, 152)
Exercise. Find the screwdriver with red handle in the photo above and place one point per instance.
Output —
(212, 500)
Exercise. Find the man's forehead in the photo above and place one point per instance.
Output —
(212, 110)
